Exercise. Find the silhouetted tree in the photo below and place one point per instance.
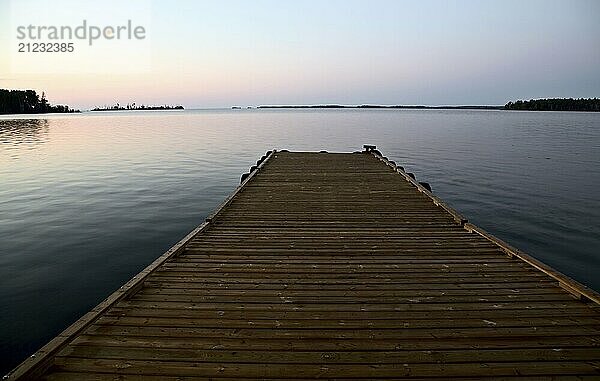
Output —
(26, 102)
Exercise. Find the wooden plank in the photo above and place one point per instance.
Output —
(363, 296)
(336, 344)
(179, 368)
(328, 357)
(432, 283)
(151, 309)
(158, 318)
(384, 290)
(473, 333)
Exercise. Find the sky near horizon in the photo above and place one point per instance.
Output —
(223, 53)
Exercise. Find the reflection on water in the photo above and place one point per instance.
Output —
(94, 198)
(15, 134)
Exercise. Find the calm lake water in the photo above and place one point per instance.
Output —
(87, 201)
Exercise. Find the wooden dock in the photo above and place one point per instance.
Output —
(341, 266)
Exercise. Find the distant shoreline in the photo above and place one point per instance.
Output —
(550, 104)
(417, 107)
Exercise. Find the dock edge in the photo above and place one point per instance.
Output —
(575, 288)
(36, 365)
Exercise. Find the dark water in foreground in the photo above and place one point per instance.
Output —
(87, 201)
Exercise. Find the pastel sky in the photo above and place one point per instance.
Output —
(223, 53)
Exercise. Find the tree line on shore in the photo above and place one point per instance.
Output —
(556, 104)
(28, 102)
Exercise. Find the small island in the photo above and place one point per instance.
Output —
(28, 102)
(134, 107)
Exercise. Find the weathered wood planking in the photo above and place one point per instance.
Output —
(334, 266)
